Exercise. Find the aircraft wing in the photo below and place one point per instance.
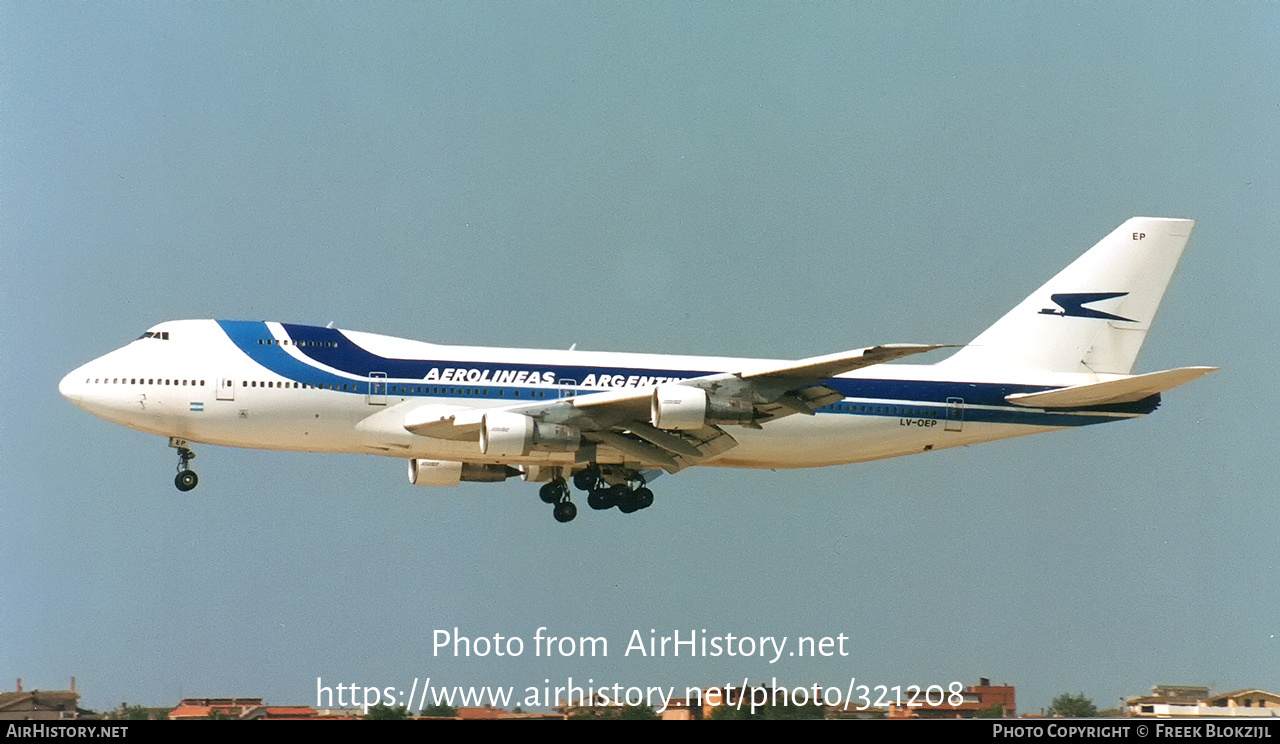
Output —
(784, 386)
(623, 419)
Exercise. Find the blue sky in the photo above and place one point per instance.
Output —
(765, 180)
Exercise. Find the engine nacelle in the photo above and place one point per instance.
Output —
(538, 473)
(506, 434)
(451, 473)
(686, 408)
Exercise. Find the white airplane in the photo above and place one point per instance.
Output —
(611, 422)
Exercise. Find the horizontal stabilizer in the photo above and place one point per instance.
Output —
(1124, 390)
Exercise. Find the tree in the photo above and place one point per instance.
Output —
(768, 712)
(128, 712)
(1073, 706)
(615, 713)
(439, 710)
(382, 712)
(995, 711)
(637, 713)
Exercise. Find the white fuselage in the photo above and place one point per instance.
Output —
(265, 385)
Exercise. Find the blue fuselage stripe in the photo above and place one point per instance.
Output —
(510, 381)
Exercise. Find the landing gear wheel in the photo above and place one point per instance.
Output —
(643, 497)
(599, 500)
(186, 480)
(553, 492)
(564, 511)
(618, 495)
(586, 480)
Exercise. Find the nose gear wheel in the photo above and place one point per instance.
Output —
(186, 479)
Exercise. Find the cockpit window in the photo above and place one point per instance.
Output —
(162, 335)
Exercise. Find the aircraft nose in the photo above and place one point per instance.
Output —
(72, 387)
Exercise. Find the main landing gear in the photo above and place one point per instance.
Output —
(557, 492)
(601, 495)
(186, 479)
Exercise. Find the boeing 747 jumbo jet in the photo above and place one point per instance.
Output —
(611, 422)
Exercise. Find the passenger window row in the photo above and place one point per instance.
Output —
(141, 381)
(891, 410)
(291, 342)
(345, 387)
(293, 385)
(485, 392)
(364, 387)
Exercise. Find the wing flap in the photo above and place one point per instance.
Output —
(806, 401)
(712, 441)
(642, 451)
(668, 440)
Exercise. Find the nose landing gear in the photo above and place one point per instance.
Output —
(186, 479)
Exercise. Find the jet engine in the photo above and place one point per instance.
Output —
(684, 408)
(450, 473)
(506, 434)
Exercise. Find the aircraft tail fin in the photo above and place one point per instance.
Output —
(1094, 315)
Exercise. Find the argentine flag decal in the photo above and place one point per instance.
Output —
(197, 406)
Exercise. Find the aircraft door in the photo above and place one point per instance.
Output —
(955, 414)
(377, 388)
(226, 388)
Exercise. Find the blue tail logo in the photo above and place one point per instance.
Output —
(1073, 305)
